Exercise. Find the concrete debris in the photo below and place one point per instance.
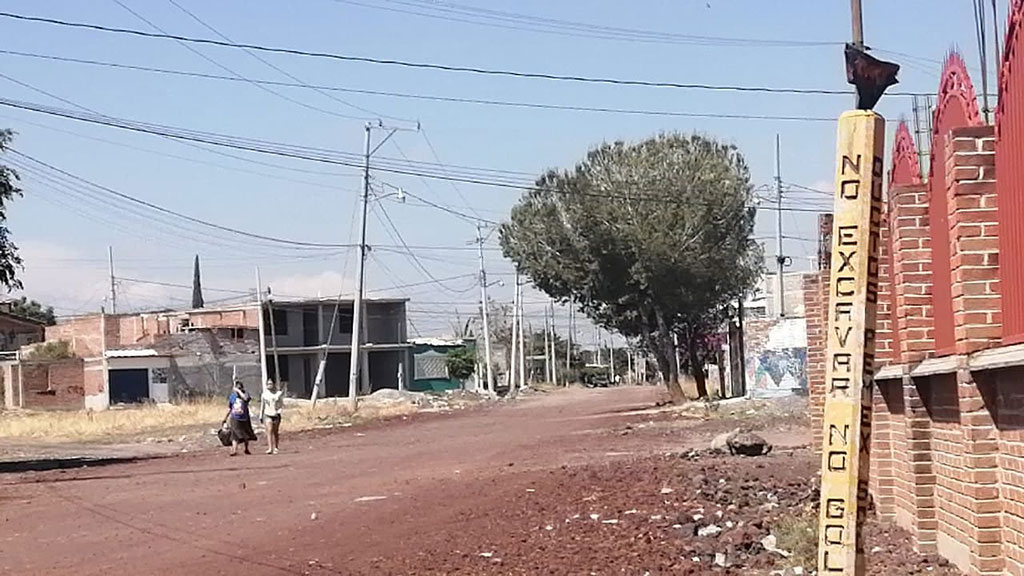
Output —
(710, 530)
(771, 544)
(720, 559)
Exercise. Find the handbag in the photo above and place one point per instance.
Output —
(224, 434)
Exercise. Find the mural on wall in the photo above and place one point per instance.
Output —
(778, 366)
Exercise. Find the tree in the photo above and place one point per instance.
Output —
(31, 309)
(461, 362)
(10, 261)
(652, 240)
(197, 286)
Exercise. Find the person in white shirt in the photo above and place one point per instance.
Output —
(271, 407)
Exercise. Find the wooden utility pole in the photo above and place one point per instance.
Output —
(851, 343)
(857, 21)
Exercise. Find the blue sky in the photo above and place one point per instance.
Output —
(65, 242)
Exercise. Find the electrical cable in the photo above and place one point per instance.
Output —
(427, 97)
(275, 93)
(425, 65)
(280, 70)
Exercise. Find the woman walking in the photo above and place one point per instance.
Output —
(271, 406)
(238, 419)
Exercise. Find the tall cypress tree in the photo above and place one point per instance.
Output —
(197, 286)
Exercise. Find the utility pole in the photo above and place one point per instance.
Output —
(262, 329)
(780, 258)
(568, 347)
(554, 358)
(547, 348)
(113, 282)
(522, 339)
(358, 329)
(513, 358)
(857, 20)
(483, 311)
(979, 22)
(611, 359)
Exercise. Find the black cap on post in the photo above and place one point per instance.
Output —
(869, 75)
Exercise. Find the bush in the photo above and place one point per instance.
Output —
(50, 351)
(461, 363)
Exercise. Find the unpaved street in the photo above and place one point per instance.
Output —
(572, 482)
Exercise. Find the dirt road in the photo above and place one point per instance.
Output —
(463, 493)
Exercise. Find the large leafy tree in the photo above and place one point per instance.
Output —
(651, 239)
(10, 261)
(34, 310)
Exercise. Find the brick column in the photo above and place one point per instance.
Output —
(816, 299)
(977, 322)
(912, 271)
(911, 265)
(888, 403)
(814, 313)
(885, 330)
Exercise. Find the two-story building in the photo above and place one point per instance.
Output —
(174, 355)
(304, 332)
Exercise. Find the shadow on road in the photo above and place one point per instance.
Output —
(46, 464)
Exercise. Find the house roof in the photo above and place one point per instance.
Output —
(332, 300)
(21, 319)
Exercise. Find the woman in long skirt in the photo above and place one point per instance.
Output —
(239, 420)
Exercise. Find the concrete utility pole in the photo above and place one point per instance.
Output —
(522, 339)
(513, 358)
(611, 359)
(568, 347)
(488, 386)
(113, 282)
(780, 258)
(358, 330)
(547, 347)
(262, 329)
(357, 304)
(554, 358)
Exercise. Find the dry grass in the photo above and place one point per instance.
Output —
(798, 535)
(170, 422)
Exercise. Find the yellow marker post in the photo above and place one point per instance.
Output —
(853, 300)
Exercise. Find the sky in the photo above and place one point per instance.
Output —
(64, 233)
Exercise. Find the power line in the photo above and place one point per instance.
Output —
(388, 222)
(426, 65)
(192, 219)
(310, 154)
(517, 21)
(273, 66)
(428, 97)
(187, 46)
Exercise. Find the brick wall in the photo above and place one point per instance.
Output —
(948, 438)
(53, 385)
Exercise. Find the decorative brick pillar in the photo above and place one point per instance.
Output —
(977, 321)
(974, 238)
(911, 265)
